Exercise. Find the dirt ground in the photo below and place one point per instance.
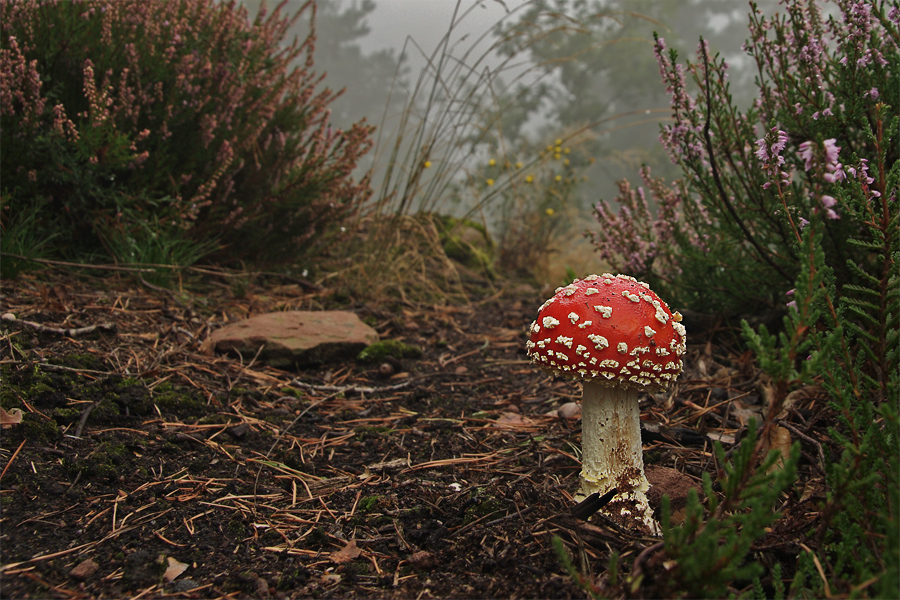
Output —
(144, 468)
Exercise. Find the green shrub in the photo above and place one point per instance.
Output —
(123, 111)
(793, 205)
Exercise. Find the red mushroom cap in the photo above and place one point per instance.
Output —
(612, 329)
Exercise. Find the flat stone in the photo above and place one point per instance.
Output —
(301, 338)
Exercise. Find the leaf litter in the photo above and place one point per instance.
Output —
(449, 478)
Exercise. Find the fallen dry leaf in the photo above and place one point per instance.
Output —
(84, 569)
(174, 569)
(779, 439)
(8, 419)
(511, 419)
(347, 553)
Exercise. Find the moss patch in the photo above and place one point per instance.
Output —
(379, 351)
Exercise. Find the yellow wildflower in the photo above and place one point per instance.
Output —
(549, 212)
(529, 178)
(556, 156)
(492, 162)
(558, 143)
(558, 178)
(427, 163)
(518, 164)
(490, 182)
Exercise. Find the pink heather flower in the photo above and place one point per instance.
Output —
(803, 224)
(828, 201)
(806, 153)
(831, 150)
(874, 91)
(894, 14)
(831, 214)
(761, 153)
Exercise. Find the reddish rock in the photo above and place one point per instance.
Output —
(294, 337)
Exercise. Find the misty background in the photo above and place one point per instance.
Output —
(580, 71)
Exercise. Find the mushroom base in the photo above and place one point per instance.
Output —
(612, 455)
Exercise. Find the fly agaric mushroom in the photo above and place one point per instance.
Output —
(620, 339)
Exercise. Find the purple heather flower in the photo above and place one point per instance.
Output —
(831, 214)
(789, 292)
(792, 304)
(803, 224)
(874, 92)
(828, 201)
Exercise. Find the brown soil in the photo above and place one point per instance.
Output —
(446, 476)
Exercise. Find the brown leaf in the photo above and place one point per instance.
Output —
(8, 419)
(347, 553)
(84, 569)
(174, 569)
(511, 419)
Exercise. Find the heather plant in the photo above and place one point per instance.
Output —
(819, 77)
(120, 112)
(792, 205)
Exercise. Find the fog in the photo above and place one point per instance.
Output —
(588, 77)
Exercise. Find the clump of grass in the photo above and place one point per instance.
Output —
(430, 165)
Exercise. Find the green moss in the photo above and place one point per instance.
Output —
(365, 432)
(292, 391)
(236, 529)
(106, 462)
(67, 415)
(38, 429)
(369, 503)
(485, 505)
(466, 242)
(85, 361)
(178, 401)
(379, 351)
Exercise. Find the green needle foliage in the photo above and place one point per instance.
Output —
(709, 550)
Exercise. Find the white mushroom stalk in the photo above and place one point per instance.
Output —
(619, 339)
(612, 456)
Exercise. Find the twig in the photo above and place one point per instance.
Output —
(793, 429)
(15, 454)
(70, 332)
(638, 567)
(338, 389)
(84, 417)
(60, 263)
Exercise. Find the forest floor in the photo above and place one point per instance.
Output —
(144, 468)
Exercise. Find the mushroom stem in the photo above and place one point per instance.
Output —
(612, 456)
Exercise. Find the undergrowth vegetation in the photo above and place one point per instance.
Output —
(185, 114)
(791, 206)
(162, 133)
